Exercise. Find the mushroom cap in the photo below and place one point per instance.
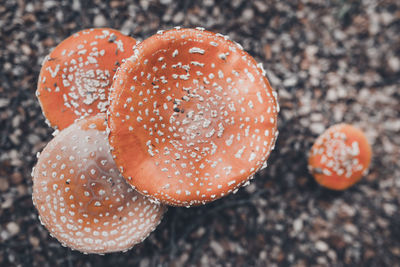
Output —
(191, 118)
(340, 157)
(76, 76)
(81, 197)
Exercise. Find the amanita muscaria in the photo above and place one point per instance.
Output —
(192, 117)
(76, 76)
(81, 197)
(340, 157)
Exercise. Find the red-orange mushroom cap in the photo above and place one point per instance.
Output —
(81, 197)
(76, 76)
(192, 117)
(340, 157)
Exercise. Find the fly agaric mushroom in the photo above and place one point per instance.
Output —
(339, 157)
(191, 118)
(81, 197)
(76, 76)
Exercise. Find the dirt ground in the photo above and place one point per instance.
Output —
(330, 61)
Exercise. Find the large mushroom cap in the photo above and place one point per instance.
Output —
(76, 76)
(81, 197)
(191, 118)
(339, 157)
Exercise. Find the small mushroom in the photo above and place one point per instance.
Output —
(81, 197)
(340, 157)
(76, 76)
(192, 117)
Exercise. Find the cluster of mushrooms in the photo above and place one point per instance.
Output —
(183, 118)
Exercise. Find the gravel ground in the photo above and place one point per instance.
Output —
(331, 61)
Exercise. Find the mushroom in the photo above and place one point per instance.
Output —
(76, 76)
(192, 117)
(81, 197)
(340, 157)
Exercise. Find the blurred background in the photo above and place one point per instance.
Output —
(330, 61)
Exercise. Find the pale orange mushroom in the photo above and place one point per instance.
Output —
(81, 197)
(340, 157)
(76, 76)
(192, 117)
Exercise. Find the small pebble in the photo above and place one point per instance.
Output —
(298, 225)
(12, 228)
(217, 248)
(34, 241)
(4, 185)
(16, 178)
(317, 128)
(321, 246)
(99, 21)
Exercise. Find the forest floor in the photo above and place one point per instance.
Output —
(330, 61)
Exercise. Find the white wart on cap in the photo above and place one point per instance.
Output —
(192, 117)
(81, 197)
